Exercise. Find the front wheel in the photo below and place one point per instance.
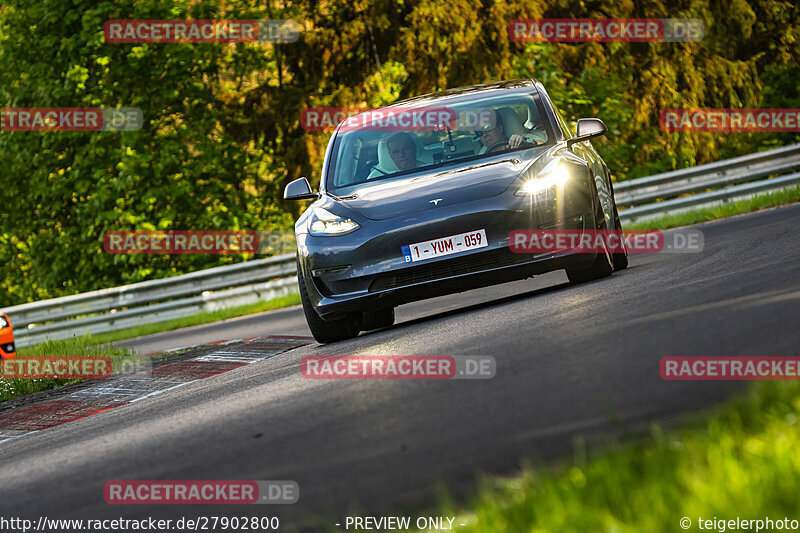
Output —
(603, 264)
(326, 331)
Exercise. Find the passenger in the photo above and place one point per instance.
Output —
(403, 153)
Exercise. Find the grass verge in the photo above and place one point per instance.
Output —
(739, 461)
(762, 201)
(121, 358)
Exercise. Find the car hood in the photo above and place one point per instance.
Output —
(470, 181)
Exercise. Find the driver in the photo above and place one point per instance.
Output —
(492, 133)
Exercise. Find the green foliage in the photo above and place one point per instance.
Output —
(185, 169)
(222, 136)
(748, 59)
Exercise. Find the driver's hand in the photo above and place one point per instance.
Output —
(515, 141)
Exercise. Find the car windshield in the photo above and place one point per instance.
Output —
(394, 142)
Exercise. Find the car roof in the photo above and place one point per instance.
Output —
(462, 92)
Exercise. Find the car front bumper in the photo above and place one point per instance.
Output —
(365, 269)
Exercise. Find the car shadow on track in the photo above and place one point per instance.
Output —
(505, 299)
(474, 307)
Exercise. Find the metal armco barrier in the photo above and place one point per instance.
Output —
(153, 301)
(264, 279)
(708, 185)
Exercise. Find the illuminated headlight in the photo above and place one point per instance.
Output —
(324, 223)
(556, 177)
(3, 322)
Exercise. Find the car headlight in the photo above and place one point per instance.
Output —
(3, 322)
(324, 223)
(555, 177)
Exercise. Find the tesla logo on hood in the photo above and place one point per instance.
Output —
(435, 201)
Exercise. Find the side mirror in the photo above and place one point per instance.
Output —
(588, 128)
(299, 189)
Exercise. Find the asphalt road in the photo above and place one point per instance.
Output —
(570, 360)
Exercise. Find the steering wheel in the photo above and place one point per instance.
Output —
(495, 145)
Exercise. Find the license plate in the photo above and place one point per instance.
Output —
(445, 246)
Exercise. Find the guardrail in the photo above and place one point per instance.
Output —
(263, 279)
(709, 185)
(153, 301)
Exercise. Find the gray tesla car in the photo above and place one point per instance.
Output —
(418, 199)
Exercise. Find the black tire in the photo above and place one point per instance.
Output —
(326, 331)
(377, 319)
(620, 258)
(603, 264)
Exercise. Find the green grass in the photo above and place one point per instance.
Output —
(121, 360)
(763, 201)
(741, 460)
